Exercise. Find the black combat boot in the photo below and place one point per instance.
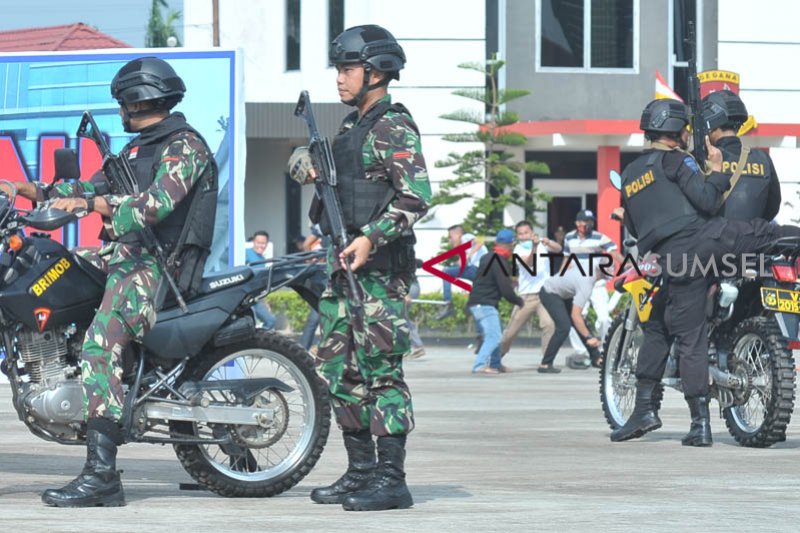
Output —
(99, 484)
(700, 430)
(361, 465)
(387, 488)
(644, 417)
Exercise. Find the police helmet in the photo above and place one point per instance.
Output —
(148, 79)
(723, 109)
(370, 45)
(664, 115)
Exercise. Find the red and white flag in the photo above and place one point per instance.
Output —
(663, 90)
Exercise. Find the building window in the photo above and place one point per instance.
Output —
(587, 35)
(292, 34)
(335, 19)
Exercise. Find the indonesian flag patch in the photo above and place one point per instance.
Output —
(133, 153)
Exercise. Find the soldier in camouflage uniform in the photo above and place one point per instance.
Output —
(383, 189)
(177, 178)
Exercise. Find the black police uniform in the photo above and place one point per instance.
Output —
(757, 194)
(668, 204)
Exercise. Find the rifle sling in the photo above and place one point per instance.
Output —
(737, 173)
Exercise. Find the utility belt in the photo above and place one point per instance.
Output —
(397, 256)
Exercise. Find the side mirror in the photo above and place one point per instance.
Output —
(616, 179)
(66, 163)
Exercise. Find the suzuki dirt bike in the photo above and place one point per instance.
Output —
(243, 408)
(752, 326)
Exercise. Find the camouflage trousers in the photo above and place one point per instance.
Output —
(364, 369)
(126, 313)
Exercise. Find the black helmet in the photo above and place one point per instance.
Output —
(723, 108)
(370, 45)
(664, 116)
(585, 215)
(148, 79)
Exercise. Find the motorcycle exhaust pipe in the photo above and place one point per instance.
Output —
(724, 379)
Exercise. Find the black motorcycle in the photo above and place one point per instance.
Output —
(752, 328)
(242, 407)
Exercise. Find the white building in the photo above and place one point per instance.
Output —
(583, 120)
(285, 44)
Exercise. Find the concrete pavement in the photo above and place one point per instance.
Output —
(516, 452)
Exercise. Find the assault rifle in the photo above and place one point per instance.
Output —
(699, 130)
(325, 188)
(122, 181)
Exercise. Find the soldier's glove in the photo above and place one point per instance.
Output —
(300, 165)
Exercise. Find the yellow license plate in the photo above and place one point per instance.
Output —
(781, 300)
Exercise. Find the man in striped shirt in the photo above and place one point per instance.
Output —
(583, 242)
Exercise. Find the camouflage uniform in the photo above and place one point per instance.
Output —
(364, 371)
(128, 310)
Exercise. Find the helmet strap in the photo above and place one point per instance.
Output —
(128, 115)
(366, 87)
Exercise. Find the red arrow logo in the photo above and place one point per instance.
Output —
(461, 251)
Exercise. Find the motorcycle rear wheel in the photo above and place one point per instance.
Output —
(760, 351)
(262, 462)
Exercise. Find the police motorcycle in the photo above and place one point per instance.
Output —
(752, 328)
(243, 408)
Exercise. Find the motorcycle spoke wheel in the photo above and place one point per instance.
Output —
(617, 375)
(759, 351)
(274, 455)
(272, 449)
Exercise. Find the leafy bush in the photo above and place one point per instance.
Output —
(288, 304)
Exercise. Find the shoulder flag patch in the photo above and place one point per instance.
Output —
(691, 163)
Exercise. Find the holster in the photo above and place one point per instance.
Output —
(397, 256)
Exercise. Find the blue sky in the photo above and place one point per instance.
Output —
(125, 20)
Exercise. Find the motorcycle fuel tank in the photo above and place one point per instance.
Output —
(47, 286)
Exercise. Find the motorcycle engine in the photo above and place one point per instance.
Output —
(53, 394)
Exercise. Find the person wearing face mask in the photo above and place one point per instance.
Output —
(533, 251)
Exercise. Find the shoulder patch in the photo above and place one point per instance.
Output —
(175, 148)
(691, 163)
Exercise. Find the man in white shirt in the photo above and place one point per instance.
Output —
(533, 250)
(457, 237)
(582, 242)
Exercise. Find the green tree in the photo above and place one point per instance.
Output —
(160, 29)
(494, 166)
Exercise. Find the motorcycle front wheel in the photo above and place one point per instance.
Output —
(617, 375)
(259, 461)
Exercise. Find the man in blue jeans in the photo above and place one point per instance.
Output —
(476, 252)
(492, 282)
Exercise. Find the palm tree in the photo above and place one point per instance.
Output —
(160, 30)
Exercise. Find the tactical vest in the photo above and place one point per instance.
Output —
(362, 200)
(656, 204)
(201, 200)
(748, 199)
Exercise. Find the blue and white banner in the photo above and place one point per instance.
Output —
(42, 98)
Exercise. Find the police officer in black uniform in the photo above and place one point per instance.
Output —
(755, 189)
(668, 206)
